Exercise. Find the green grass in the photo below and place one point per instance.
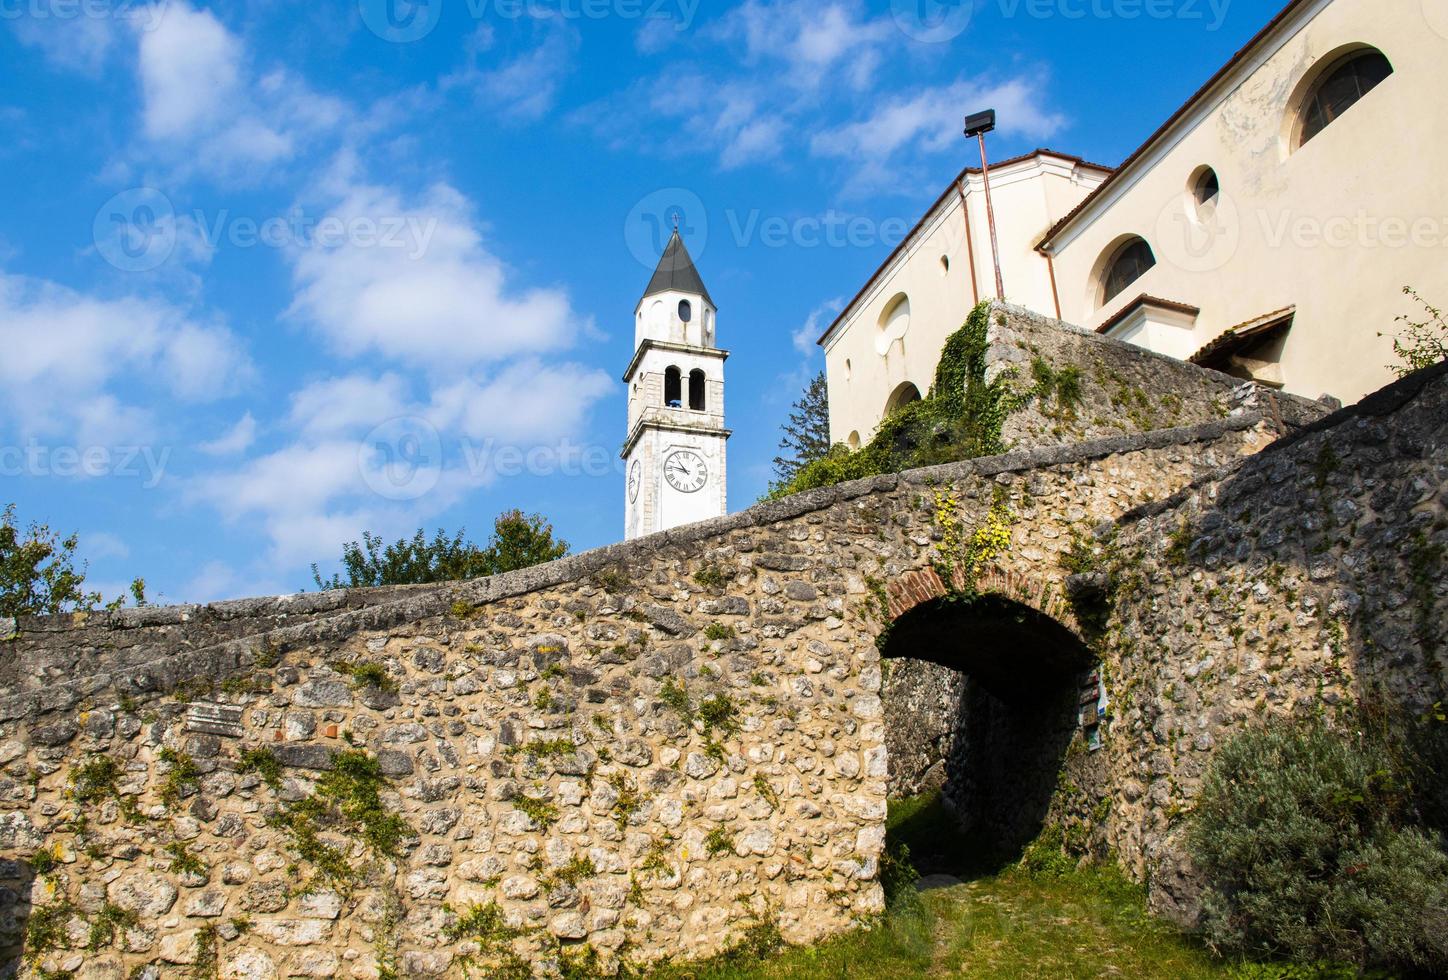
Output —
(1000, 925)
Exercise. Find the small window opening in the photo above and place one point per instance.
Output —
(686, 310)
(1207, 188)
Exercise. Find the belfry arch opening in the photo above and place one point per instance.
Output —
(696, 390)
(673, 388)
(1014, 677)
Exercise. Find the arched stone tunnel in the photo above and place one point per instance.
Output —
(1018, 710)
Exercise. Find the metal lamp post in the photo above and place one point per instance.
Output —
(977, 125)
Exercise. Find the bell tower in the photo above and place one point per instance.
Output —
(674, 450)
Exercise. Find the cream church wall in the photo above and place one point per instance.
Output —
(867, 364)
(1328, 227)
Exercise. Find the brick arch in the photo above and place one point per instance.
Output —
(914, 588)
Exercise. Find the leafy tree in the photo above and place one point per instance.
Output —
(38, 575)
(807, 434)
(523, 540)
(518, 541)
(1424, 342)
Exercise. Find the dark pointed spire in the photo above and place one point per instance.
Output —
(676, 271)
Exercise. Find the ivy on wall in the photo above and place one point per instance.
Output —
(961, 418)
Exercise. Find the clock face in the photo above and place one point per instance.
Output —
(635, 477)
(686, 472)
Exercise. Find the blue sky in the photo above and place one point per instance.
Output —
(275, 273)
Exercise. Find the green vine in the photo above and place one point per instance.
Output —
(963, 417)
(960, 557)
(485, 927)
(347, 801)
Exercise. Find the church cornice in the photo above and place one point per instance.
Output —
(666, 345)
(662, 426)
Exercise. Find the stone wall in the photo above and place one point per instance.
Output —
(645, 750)
(922, 717)
(1302, 581)
(539, 745)
(1121, 388)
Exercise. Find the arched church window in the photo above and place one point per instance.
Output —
(673, 388)
(686, 310)
(696, 390)
(1131, 262)
(1340, 88)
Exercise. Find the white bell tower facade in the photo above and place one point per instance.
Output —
(674, 452)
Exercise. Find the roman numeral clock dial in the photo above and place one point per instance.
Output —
(686, 471)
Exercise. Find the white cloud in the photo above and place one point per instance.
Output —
(927, 121)
(195, 357)
(815, 44)
(99, 545)
(217, 580)
(437, 298)
(738, 120)
(237, 439)
(190, 72)
(524, 87)
(527, 402)
(298, 479)
(312, 495)
(79, 44)
(204, 106)
(771, 80)
(657, 34)
(806, 337)
(64, 350)
(323, 487)
(345, 404)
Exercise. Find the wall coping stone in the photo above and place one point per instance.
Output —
(359, 609)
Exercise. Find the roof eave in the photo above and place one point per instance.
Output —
(849, 307)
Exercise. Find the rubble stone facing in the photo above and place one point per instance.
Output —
(469, 731)
(1299, 581)
(616, 811)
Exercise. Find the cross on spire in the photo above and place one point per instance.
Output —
(676, 217)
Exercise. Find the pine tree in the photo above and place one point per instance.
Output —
(807, 434)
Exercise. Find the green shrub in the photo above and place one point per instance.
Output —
(1305, 841)
(1046, 856)
(718, 631)
(264, 762)
(182, 778)
(368, 674)
(719, 841)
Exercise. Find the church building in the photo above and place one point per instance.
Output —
(1267, 229)
(674, 453)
